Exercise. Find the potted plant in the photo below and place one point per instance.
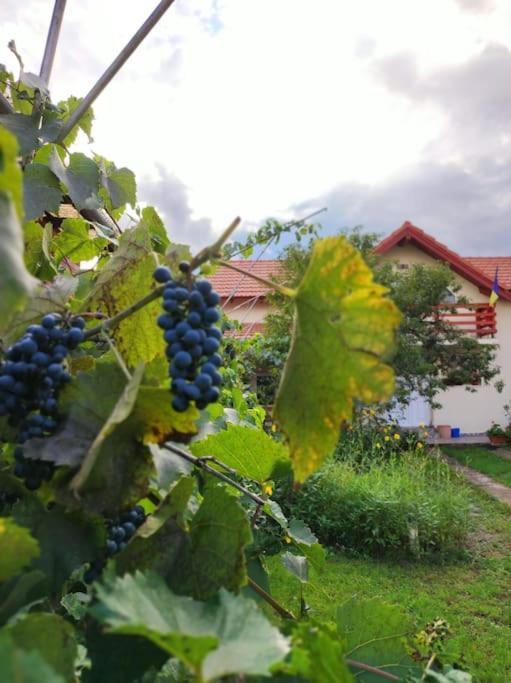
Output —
(497, 435)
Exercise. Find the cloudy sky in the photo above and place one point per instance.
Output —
(380, 111)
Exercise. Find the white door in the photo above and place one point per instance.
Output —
(416, 412)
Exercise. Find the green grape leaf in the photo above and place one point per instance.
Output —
(121, 186)
(169, 467)
(24, 128)
(344, 326)
(76, 604)
(85, 123)
(41, 191)
(213, 639)
(81, 177)
(17, 548)
(19, 666)
(316, 656)
(251, 452)
(50, 636)
(120, 412)
(47, 297)
(75, 242)
(300, 532)
(16, 283)
(152, 222)
(214, 557)
(374, 632)
(36, 260)
(121, 282)
(66, 539)
(21, 592)
(10, 172)
(297, 565)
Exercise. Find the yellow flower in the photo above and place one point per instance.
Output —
(387, 437)
(267, 489)
(396, 437)
(372, 413)
(420, 445)
(287, 539)
(422, 425)
(386, 429)
(378, 444)
(273, 427)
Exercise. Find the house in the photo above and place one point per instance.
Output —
(244, 299)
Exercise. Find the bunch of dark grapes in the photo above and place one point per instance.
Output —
(119, 533)
(31, 376)
(192, 339)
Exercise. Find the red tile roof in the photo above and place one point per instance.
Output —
(411, 233)
(247, 330)
(228, 282)
(488, 264)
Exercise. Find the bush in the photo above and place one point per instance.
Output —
(409, 506)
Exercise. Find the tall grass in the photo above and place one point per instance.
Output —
(408, 505)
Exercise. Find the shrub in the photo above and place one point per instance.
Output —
(409, 506)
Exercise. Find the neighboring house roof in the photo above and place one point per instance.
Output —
(488, 265)
(462, 266)
(229, 282)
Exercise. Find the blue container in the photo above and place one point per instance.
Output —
(455, 433)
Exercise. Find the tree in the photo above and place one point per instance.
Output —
(430, 354)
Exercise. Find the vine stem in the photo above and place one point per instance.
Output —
(116, 319)
(372, 669)
(203, 256)
(281, 611)
(286, 291)
(214, 250)
(202, 464)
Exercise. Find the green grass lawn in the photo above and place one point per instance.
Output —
(485, 460)
(474, 595)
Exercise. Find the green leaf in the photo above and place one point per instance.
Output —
(76, 604)
(344, 326)
(16, 283)
(215, 557)
(85, 123)
(17, 548)
(41, 191)
(36, 260)
(316, 656)
(374, 633)
(213, 639)
(121, 187)
(21, 592)
(81, 177)
(251, 452)
(19, 666)
(297, 565)
(121, 282)
(50, 636)
(154, 419)
(152, 222)
(24, 128)
(10, 172)
(46, 298)
(75, 241)
(66, 539)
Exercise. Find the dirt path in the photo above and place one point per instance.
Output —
(492, 487)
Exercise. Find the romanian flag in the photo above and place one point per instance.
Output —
(495, 290)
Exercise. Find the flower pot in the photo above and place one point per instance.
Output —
(497, 439)
(444, 431)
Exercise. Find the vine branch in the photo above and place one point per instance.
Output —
(286, 291)
(201, 464)
(214, 250)
(372, 669)
(281, 611)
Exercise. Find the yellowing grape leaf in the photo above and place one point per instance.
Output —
(17, 548)
(344, 327)
(126, 277)
(154, 420)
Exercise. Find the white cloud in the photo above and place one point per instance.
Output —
(256, 107)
